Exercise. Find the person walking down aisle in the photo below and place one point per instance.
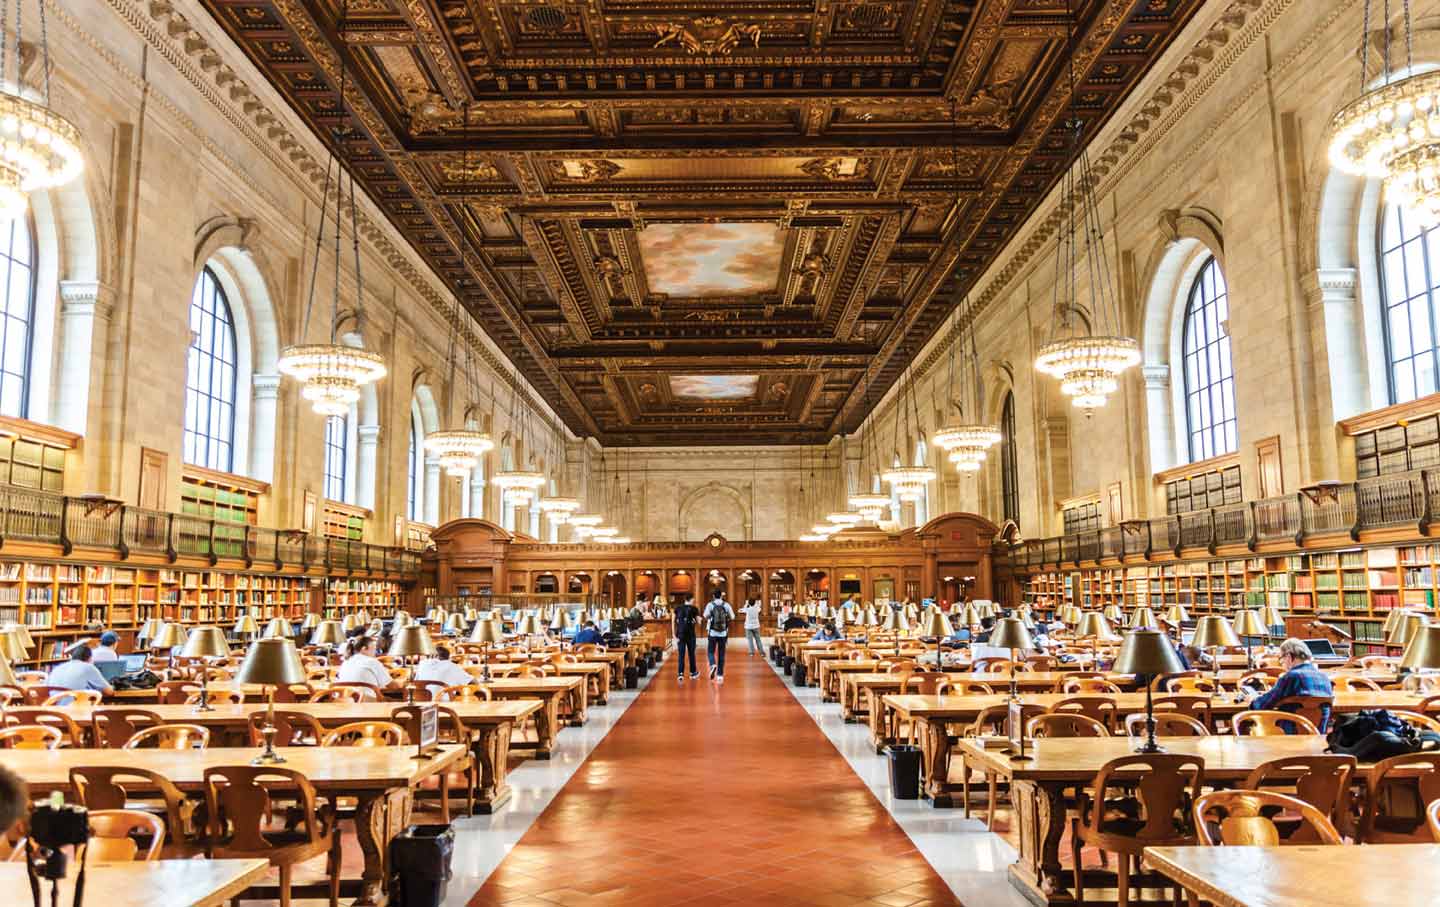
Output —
(751, 610)
(685, 617)
(718, 615)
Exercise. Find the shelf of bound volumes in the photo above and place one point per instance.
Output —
(1354, 588)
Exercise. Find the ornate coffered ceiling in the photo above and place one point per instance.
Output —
(701, 223)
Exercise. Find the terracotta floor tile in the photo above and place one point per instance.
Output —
(706, 796)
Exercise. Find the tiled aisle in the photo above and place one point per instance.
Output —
(706, 795)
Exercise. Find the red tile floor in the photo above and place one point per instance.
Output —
(713, 795)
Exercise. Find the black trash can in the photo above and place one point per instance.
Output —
(632, 677)
(641, 667)
(420, 865)
(789, 666)
(904, 772)
(775, 654)
(798, 675)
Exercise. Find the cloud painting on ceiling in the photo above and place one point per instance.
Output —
(692, 260)
(714, 387)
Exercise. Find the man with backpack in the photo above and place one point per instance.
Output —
(685, 616)
(717, 617)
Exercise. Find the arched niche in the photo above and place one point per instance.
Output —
(714, 508)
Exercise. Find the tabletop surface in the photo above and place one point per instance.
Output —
(1317, 876)
(328, 714)
(142, 884)
(1079, 758)
(338, 767)
(1127, 703)
(536, 683)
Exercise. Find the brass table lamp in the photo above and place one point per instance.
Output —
(1403, 628)
(412, 641)
(351, 622)
(455, 623)
(1148, 651)
(1114, 614)
(1177, 614)
(487, 631)
(1069, 615)
(1214, 632)
(310, 621)
(170, 636)
(897, 622)
(203, 643)
(271, 663)
(11, 647)
(328, 633)
(937, 626)
(1423, 650)
(1094, 627)
(1142, 618)
(1272, 618)
(1011, 633)
(529, 625)
(1247, 624)
(970, 616)
(21, 632)
(278, 628)
(246, 628)
(151, 627)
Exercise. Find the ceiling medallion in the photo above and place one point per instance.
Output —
(707, 35)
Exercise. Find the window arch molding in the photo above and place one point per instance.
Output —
(1193, 239)
(425, 412)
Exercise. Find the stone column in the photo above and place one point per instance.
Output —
(367, 439)
(1336, 314)
(477, 494)
(264, 402)
(430, 491)
(85, 310)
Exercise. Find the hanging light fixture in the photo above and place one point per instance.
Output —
(39, 149)
(871, 505)
(1392, 132)
(846, 517)
(558, 508)
(1087, 351)
(909, 482)
(332, 374)
(517, 485)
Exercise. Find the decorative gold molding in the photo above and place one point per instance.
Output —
(1092, 497)
(41, 434)
(229, 479)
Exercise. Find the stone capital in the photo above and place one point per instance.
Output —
(1157, 377)
(1331, 286)
(85, 297)
(368, 434)
(264, 387)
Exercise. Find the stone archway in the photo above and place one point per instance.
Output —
(714, 508)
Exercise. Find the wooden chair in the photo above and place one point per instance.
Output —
(1159, 682)
(1197, 707)
(1160, 795)
(527, 670)
(1040, 662)
(1003, 665)
(30, 678)
(366, 734)
(111, 728)
(465, 692)
(1345, 683)
(170, 737)
(70, 731)
(1322, 781)
(216, 697)
(112, 834)
(74, 697)
(30, 737)
(292, 728)
(1086, 685)
(1101, 708)
(465, 772)
(175, 692)
(1259, 679)
(237, 799)
(970, 688)
(1249, 817)
(338, 694)
(368, 691)
(38, 694)
(1432, 818)
(1315, 709)
(1065, 724)
(991, 720)
(1167, 724)
(1419, 721)
(1267, 723)
(1399, 792)
(294, 692)
(1190, 685)
(423, 690)
(103, 787)
(926, 683)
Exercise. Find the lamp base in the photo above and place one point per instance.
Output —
(203, 706)
(269, 757)
(1150, 747)
(1021, 757)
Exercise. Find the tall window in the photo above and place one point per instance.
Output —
(1209, 373)
(210, 378)
(1009, 474)
(1410, 288)
(17, 261)
(337, 432)
(416, 467)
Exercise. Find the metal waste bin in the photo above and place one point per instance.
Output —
(798, 675)
(632, 677)
(420, 865)
(904, 771)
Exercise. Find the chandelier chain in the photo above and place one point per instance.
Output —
(44, 50)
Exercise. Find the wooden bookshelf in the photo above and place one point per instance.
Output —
(343, 521)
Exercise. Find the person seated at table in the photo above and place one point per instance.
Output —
(361, 665)
(78, 673)
(987, 626)
(1301, 678)
(106, 651)
(961, 634)
(826, 633)
(588, 634)
(440, 668)
(14, 801)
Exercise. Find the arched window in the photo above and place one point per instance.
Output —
(415, 467)
(17, 259)
(210, 378)
(1009, 474)
(1209, 373)
(1410, 287)
(337, 438)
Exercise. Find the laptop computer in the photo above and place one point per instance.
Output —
(1320, 648)
(112, 669)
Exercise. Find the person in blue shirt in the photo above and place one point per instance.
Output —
(961, 634)
(826, 633)
(106, 652)
(1301, 678)
(78, 673)
(587, 634)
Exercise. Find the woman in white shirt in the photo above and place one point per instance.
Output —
(440, 668)
(361, 665)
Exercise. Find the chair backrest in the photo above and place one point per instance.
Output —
(30, 737)
(424, 690)
(366, 734)
(40, 693)
(176, 736)
(1321, 781)
(292, 728)
(1165, 780)
(1159, 682)
(1003, 666)
(110, 728)
(464, 692)
(1167, 724)
(970, 688)
(1087, 685)
(903, 666)
(30, 678)
(57, 718)
(1065, 724)
(1102, 708)
(216, 697)
(1197, 707)
(1399, 791)
(74, 697)
(1430, 705)
(926, 684)
(1258, 679)
(1315, 709)
(237, 801)
(103, 787)
(1246, 817)
(1189, 685)
(1040, 662)
(338, 694)
(1348, 682)
(528, 670)
(450, 728)
(1432, 818)
(111, 833)
(1269, 723)
(1418, 721)
(996, 718)
(294, 692)
(175, 692)
(368, 691)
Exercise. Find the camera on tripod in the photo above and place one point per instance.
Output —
(53, 826)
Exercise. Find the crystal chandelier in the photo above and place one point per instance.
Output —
(1087, 351)
(843, 518)
(519, 485)
(559, 509)
(332, 374)
(1392, 132)
(909, 482)
(39, 149)
(870, 505)
(459, 450)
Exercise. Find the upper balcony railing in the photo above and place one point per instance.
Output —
(99, 523)
(1346, 508)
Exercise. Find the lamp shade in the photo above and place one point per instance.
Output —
(1141, 618)
(1404, 630)
(470, 614)
(153, 625)
(1423, 650)
(278, 628)
(435, 615)
(1069, 614)
(1025, 617)
(351, 622)
(403, 618)
(896, 621)
(1011, 633)
(871, 618)
(1395, 616)
(1177, 614)
(271, 662)
(1248, 623)
(310, 621)
(562, 621)
(170, 636)
(11, 647)
(1094, 624)
(455, 623)
(246, 626)
(7, 676)
(22, 633)
(1271, 616)
(412, 640)
(206, 642)
(969, 616)
(329, 633)
(1213, 630)
(529, 625)
(1147, 651)
(1114, 614)
(487, 631)
(935, 624)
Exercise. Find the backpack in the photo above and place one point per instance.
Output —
(1373, 735)
(719, 618)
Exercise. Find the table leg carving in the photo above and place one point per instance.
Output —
(492, 749)
(379, 816)
(1040, 817)
(935, 759)
(876, 719)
